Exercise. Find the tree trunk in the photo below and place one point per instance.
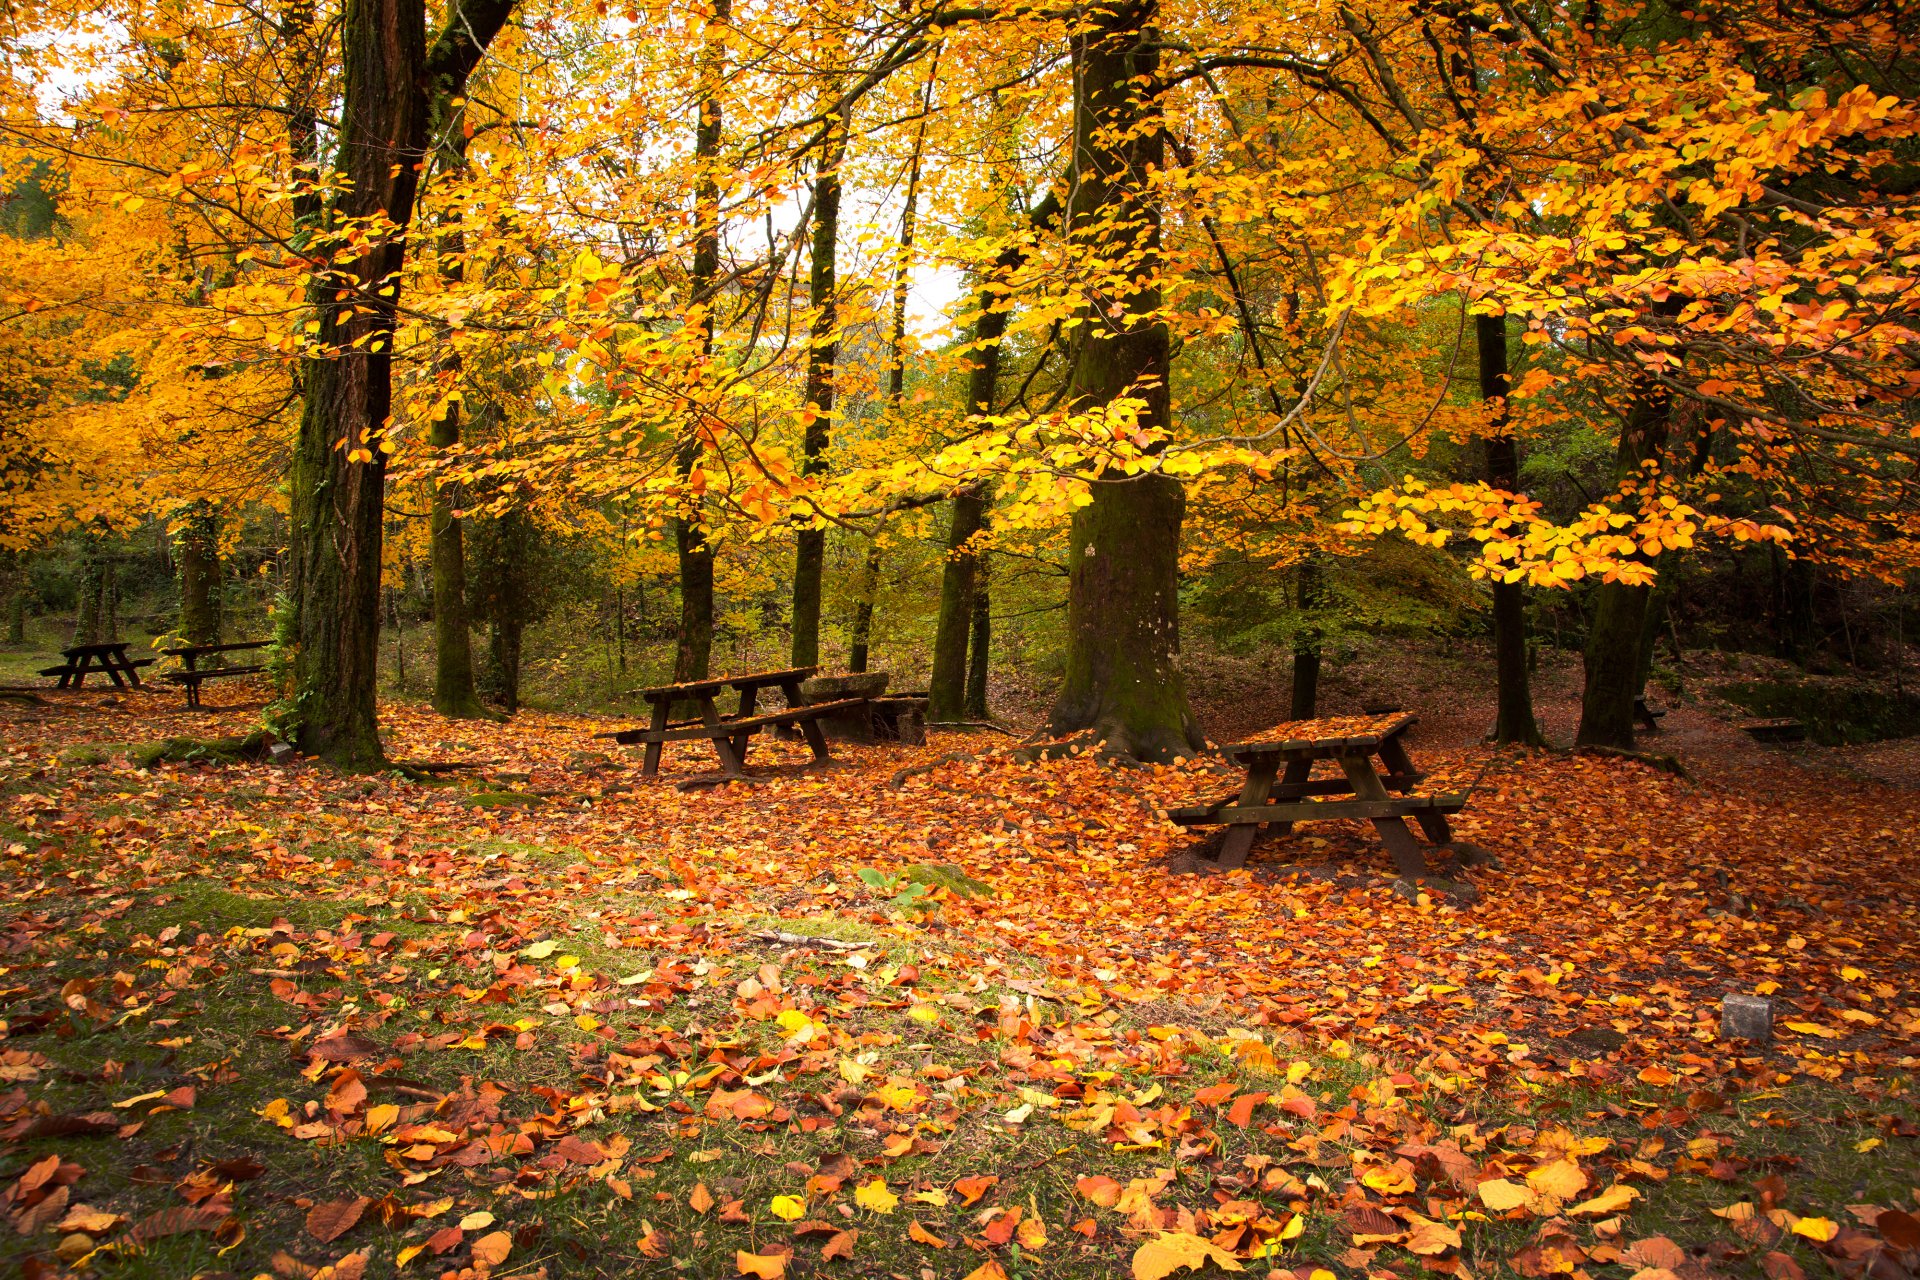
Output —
(453, 692)
(504, 650)
(946, 690)
(693, 648)
(1513, 719)
(823, 352)
(863, 609)
(86, 618)
(1123, 680)
(1613, 670)
(979, 645)
(198, 550)
(1304, 697)
(338, 474)
(17, 606)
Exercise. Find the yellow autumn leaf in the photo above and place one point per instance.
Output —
(381, 1117)
(1561, 1179)
(765, 1266)
(1612, 1200)
(1175, 1250)
(1388, 1181)
(789, 1208)
(875, 1196)
(1818, 1230)
(1500, 1195)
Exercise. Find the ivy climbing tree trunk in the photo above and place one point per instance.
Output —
(390, 78)
(1123, 680)
(693, 646)
(810, 551)
(197, 548)
(1513, 718)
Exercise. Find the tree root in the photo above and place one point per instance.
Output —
(1653, 760)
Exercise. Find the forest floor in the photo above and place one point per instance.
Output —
(544, 1015)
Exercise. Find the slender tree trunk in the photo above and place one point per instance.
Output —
(504, 651)
(979, 646)
(1613, 669)
(947, 689)
(1304, 697)
(17, 602)
(338, 474)
(823, 352)
(693, 649)
(1123, 680)
(863, 611)
(198, 549)
(1513, 719)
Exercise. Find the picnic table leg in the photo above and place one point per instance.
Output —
(1401, 845)
(1297, 771)
(816, 736)
(1393, 753)
(749, 699)
(731, 760)
(1239, 838)
(650, 762)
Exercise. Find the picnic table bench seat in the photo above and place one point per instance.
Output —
(1280, 790)
(193, 675)
(693, 730)
(69, 669)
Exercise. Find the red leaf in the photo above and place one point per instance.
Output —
(331, 1219)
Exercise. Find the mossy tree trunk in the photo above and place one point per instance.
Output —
(1513, 692)
(87, 628)
(823, 353)
(197, 548)
(1123, 680)
(390, 78)
(947, 688)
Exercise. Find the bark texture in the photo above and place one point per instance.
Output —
(1514, 722)
(979, 647)
(390, 78)
(197, 549)
(810, 551)
(1123, 680)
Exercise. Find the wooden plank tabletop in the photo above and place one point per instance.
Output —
(1327, 733)
(714, 684)
(195, 650)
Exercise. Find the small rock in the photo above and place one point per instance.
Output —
(1596, 1039)
(1746, 1018)
(280, 752)
(1407, 889)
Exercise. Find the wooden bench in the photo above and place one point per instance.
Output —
(1646, 715)
(98, 660)
(193, 676)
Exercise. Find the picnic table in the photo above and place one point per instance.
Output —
(730, 732)
(1281, 790)
(110, 658)
(194, 675)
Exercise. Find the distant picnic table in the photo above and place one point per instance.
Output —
(1280, 789)
(193, 675)
(109, 658)
(730, 732)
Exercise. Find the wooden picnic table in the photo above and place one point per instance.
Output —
(1281, 790)
(109, 658)
(194, 675)
(731, 732)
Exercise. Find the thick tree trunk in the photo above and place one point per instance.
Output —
(1613, 669)
(1123, 679)
(857, 651)
(197, 547)
(338, 475)
(979, 647)
(823, 352)
(503, 650)
(693, 648)
(93, 589)
(1513, 719)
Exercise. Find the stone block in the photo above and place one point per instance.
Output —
(1746, 1018)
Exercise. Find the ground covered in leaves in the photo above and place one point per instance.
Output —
(984, 1019)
